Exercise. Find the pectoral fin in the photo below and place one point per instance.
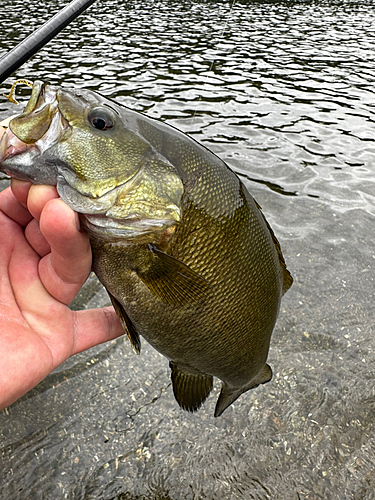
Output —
(173, 281)
(190, 389)
(127, 325)
(229, 396)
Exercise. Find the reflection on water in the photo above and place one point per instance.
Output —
(284, 92)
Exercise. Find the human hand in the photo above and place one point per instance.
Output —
(44, 260)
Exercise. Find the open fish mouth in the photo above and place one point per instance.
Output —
(39, 127)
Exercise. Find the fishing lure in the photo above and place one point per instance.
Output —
(11, 95)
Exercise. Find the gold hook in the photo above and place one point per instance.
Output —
(10, 96)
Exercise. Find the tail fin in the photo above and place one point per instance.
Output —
(229, 396)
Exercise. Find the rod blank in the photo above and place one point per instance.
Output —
(34, 42)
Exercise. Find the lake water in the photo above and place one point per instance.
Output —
(283, 91)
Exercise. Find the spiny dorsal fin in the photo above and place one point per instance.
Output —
(173, 281)
(190, 389)
(127, 325)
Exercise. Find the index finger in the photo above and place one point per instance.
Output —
(66, 268)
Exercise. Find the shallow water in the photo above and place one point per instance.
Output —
(284, 93)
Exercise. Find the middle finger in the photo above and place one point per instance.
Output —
(36, 239)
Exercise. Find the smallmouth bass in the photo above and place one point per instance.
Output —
(186, 255)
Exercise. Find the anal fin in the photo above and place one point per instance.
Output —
(127, 325)
(229, 396)
(190, 389)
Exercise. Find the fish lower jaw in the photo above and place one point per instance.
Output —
(11, 146)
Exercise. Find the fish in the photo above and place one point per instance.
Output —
(185, 253)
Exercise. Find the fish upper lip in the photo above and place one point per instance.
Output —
(49, 93)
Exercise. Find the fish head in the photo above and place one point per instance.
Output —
(101, 165)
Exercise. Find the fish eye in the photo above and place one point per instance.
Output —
(101, 119)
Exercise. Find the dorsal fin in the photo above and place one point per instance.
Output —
(287, 277)
(127, 325)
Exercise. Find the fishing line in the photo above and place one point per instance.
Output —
(232, 4)
(224, 29)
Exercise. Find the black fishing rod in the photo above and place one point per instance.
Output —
(34, 42)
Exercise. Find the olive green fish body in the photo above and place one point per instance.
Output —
(184, 251)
